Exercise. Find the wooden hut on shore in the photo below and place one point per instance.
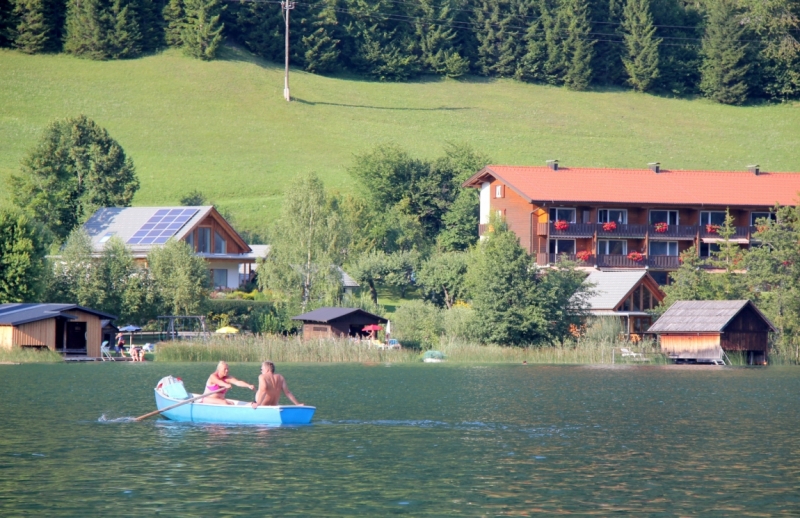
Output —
(699, 331)
(337, 322)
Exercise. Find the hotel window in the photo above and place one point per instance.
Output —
(706, 249)
(567, 215)
(611, 247)
(220, 278)
(190, 240)
(616, 215)
(219, 244)
(498, 191)
(712, 218)
(669, 217)
(755, 216)
(204, 240)
(562, 246)
(664, 248)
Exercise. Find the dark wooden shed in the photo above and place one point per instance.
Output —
(337, 322)
(701, 330)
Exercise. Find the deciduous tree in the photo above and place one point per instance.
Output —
(22, 258)
(181, 279)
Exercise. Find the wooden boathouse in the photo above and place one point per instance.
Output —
(700, 331)
(66, 328)
(337, 322)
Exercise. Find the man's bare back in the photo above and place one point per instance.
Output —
(270, 386)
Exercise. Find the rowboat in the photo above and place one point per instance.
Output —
(170, 392)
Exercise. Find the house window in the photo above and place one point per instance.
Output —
(219, 244)
(204, 240)
(612, 247)
(712, 218)
(615, 215)
(637, 299)
(562, 246)
(562, 215)
(669, 217)
(664, 248)
(190, 240)
(755, 216)
(647, 302)
(707, 249)
(220, 278)
(498, 191)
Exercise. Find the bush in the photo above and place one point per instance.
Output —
(257, 316)
(417, 324)
(459, 324)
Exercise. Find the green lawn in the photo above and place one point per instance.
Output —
(224, 128)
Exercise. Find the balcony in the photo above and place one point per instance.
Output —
(619, 261)
(557, 258)
(674, 232)
(623, 230)
(664, 262)
(740, 233)
(574, 230)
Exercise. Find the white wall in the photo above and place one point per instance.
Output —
(233, 272)
(486, 198)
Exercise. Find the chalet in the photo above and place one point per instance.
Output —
(627, 218)
(229, 258)
(628, 294)
(701, 330)
(66, 328)
(337, 322)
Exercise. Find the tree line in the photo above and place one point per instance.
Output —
(727, 50)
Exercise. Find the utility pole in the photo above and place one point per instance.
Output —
(287, 6)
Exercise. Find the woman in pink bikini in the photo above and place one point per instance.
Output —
(220, 379)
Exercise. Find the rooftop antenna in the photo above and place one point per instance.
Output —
(287, 6)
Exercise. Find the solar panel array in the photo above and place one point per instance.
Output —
(164, 224)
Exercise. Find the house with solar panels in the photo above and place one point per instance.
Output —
(229, 258)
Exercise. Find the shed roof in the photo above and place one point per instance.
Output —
(702, 316)
(331, 314)
(18, 314)
(668, 187)
(610, 287)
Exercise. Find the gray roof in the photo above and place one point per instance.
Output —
(330, 314)
(18, 314)
(124, 222)
(347, 281)
(610, 287)
(702, 316)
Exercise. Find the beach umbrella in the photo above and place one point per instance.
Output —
(372, 327)
(130, 329)
(227, 330)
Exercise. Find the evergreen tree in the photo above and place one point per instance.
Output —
(151, 24)
(88, 24)
(554, 27)
(501, 30)
(201, 31)
(641, 61)
(22, 258)
(435, 36)
(8, 23)
(608, 50)
(173, 20)
(124, 39)
(32, 32)
(75, 169)
(724, 68)
(321, 46)
(578, 45)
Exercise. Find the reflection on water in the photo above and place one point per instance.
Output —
(421, 440)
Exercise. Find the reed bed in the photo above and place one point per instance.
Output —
(257, 348)
(29, 355)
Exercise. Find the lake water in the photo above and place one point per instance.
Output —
(409, 439)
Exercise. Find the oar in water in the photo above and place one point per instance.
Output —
(151, 414)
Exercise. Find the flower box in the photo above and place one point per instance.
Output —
(636, 257)
(661, 227)
(583, 255)
(712, 229)
(561, 225)
(611, 226)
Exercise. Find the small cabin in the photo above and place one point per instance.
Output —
(337, 322)
(628, 295)
(700, 331)
(66, 328)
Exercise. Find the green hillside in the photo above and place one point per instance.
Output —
(224, 128)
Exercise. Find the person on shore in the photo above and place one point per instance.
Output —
(220, 379)
(270, 386)
(120, 345)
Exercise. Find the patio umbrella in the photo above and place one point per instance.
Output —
(227, 330)
(130, 329)
(372, 327)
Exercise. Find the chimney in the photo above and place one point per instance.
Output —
(754, 169)
(655, 167)
(553, 164)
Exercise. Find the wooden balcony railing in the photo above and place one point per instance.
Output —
(483, 228)
(671, 262)
(619, 261)
(623, 230)
(574, 230)
(740, 233)
(674, 232)
(541, 229)
(557, 258)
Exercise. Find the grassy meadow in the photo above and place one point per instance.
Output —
(224, 128)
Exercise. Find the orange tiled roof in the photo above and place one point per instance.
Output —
(594, 185)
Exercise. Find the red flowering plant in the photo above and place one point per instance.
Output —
(561, 225)
(661, 227)
(712, 229)
(583, 255)
(635, 256)
(611, 226)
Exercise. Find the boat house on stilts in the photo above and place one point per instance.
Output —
(701, 331)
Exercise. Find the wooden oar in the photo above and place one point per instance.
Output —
(151, 414)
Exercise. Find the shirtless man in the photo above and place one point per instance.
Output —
(270, 386)
(220, 379)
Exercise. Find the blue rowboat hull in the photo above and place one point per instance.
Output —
(241, 413)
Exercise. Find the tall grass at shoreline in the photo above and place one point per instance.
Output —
(29, 355)
(256, 348)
